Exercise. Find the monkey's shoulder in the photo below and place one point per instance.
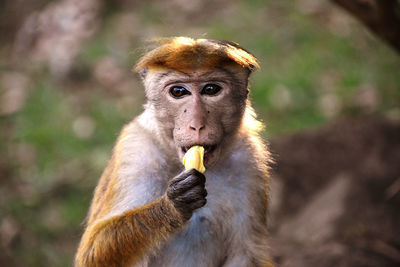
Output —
(138, 148)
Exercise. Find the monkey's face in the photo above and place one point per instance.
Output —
(203, 107)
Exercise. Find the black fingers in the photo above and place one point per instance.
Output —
(183, 175)
(192, 195)
(184, 181)
(187, 192)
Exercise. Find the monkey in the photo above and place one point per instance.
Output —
(147, 210)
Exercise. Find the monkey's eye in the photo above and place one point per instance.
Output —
(178, 91)
(210, 89)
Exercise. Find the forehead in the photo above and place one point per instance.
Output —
(223, 74)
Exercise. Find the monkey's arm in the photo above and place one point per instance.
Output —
(128, 237)
(124, 239)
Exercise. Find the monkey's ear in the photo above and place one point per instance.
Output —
(143, 73)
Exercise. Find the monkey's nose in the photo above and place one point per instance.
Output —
(196, 128)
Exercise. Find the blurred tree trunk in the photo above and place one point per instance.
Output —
(381, 16)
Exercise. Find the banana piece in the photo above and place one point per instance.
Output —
(194, 159)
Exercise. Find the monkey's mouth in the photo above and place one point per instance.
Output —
(208, 149)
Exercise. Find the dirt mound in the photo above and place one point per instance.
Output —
(336, 195)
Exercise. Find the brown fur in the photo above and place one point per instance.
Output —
(105, 189)
(119, 240)
(187, 54)
(124, 239)
(121, 232)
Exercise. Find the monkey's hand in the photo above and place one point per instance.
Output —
(187, 192)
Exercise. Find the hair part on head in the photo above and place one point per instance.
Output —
(186, 54)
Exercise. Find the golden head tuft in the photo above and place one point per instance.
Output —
(186, 54)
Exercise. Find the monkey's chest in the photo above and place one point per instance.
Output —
(208, 237)
(213, 231)
(200, 243)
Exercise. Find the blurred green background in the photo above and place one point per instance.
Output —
(66, 89)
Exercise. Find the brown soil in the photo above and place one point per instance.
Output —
(336, 195)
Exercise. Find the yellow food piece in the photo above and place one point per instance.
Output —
(194, 159)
